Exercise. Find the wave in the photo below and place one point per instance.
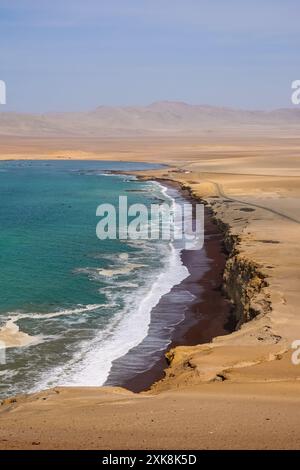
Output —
(110, 272)
(91, 364)
(12, 337)
(15, 316)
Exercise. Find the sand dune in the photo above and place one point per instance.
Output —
(213, 416)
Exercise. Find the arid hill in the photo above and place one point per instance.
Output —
(160, 118)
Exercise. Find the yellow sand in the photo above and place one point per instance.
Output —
(240, 391)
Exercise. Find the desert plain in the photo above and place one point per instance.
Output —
(241, 390)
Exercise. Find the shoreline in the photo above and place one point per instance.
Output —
(209, 314)
(220, 395)
(184, 334)
(201, 323)
(205, 317)
(179, 322)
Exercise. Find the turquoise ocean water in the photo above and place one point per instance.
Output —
(83, 302)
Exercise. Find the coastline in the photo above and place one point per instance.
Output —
(234, 384)
(208, 315)
(177, 319)
(255, 340)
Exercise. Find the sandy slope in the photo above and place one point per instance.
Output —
(239, 391)
(263, 211)
(208, 417)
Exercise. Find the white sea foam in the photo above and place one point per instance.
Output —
(13, 337)
(15, 316)
(120, 270)
(110, 272)
(90, 366)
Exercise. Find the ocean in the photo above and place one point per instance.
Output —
(73, 302)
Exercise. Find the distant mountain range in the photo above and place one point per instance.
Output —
(160, 118)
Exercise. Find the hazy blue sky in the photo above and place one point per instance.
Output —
(75, 55)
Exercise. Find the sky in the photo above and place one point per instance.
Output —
(74, 55)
